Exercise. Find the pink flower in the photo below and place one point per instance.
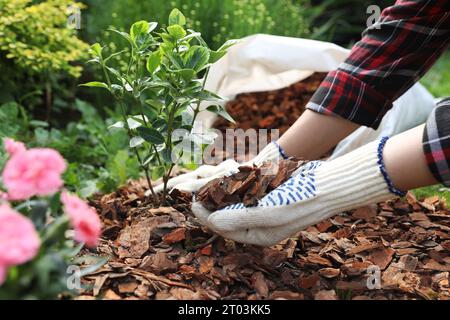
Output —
(13, 147)
(19, 240)
(3, 197)
(2, 274)
(33, 172)
(83, 218)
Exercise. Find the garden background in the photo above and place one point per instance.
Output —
(42, 63)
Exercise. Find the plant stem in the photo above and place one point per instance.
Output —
(48, 100)
(130, 134)
(197, 108)
(166, 180)
(169, 146)
(146, 171)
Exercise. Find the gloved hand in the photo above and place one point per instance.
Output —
(196, 179)
(315, 191)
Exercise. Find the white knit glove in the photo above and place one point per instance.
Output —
(196, 179)
(316, 191)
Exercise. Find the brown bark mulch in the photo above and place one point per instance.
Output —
(164, 253)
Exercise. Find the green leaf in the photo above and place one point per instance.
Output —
(117, 125)
(160, 83)
(154, 103)
(138, 29)
(176, 17)
(38, 123)
(95, 84)
(140, 34)
(157, 172)
(149, 111)
(119, 165)
(176, 31)
(216, 56)
(114, 55)
(88, 188)
(196, 58)
(166, 47)
(97, 49)
(186, 74)
(152, 26)
(37, 214)
(123, 35)
(116, 89)
(191, 35)
(219, 110)
(168, 39)
(116, 73)
(160, 124)
(228, 44)
(154, 61)
(208, 96)
(166, 155)
(151, 135)
(176, 60)
(136, 142)
(135, 122)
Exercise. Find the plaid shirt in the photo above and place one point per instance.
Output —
(393, 55)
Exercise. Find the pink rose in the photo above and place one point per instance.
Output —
(19, 240)
(83, 218)
(13, 147)
(33, 172)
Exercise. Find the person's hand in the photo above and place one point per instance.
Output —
(194, 180)
(316, 191)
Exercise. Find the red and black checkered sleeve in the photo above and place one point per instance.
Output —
(392, 55)
(436, 142)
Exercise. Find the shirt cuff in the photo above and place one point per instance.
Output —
(341, 94)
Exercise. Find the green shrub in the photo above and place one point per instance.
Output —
(164, 84)
(39, 53)
(34, 37)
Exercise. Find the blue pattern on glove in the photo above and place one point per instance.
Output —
(297, 188)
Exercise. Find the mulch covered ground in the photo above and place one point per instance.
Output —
(164, 253)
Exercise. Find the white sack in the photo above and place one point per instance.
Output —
(265, 62)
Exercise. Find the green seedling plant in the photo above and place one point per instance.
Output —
(160, 90)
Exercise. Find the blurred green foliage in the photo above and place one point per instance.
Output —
(437, 80)
(98, 158)
(218, 20)
(341, 21)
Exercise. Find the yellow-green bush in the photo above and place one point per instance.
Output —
(35, 38)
